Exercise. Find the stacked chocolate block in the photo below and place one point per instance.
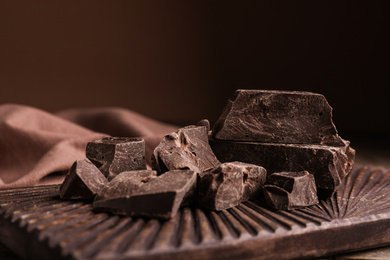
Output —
(284, 131)
(289, 135)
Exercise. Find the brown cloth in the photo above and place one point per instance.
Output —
(37, 147)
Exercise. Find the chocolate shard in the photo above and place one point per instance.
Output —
(133, 180)
(204, 122)
(328, 164)
(83, 181)
(229, 184)
(187, 148)
(277, 117)
(143, 194)
(113, 155)
(290, 190)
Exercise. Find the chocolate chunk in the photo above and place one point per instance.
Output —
(277, 117)
(113, 155)
(290, 190)
(229, 184)
(328, 164)
(83, 181)
(133, 180)
(204, 122)
(187, 148)
(144, 194)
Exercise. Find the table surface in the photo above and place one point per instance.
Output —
(365, 156)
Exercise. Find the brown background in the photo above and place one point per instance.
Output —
(179, 61)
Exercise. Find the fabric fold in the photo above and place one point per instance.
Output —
(37, 147)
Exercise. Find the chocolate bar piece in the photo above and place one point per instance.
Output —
(113, 155)
(277, 117)
(83, 181)
(328, 164)
(204, 122)
(133, 179)
(144, 194)
(290, 190)
(187, 148)
(229, 184)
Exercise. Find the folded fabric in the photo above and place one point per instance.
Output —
(37, 147)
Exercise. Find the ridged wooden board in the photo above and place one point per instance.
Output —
(37, 224)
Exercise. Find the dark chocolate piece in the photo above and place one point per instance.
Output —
(116, 187)
(328, 164)
(113, 155)
(229, 184)
(144, 194)
(83, 181)
(187, 148)
(277, 117)
(290, 190)
(204, 122)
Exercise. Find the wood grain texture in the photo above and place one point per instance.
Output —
(36, 223)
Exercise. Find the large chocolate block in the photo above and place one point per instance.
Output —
(277, 117)
(290, 190)
(83, 181)
(187, 148)
(145, 194)
(328, 164)
(229, 184)
(113, 155)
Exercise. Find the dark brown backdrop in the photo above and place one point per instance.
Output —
(178, 61)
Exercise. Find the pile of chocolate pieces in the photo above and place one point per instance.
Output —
(274, 146)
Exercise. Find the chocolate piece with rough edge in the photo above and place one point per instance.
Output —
(290, 190)
(133, 180)
(145, 194)
(329, 165)
(187, 148)
(229, 184)
(113, 155)
(83, 181)
(271, 116)
(204, 122)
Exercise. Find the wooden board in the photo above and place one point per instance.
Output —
(36, 224)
